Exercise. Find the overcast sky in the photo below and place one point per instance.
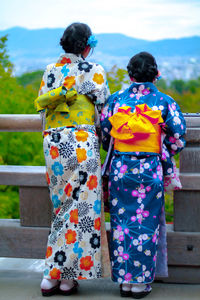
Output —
(145, 19)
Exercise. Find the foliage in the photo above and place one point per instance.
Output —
(6, 65)
(32, 79)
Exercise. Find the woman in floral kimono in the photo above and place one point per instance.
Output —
(134, 119)
(71, 92)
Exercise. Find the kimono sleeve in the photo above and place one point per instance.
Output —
(101, 91)
(43, 86)
(175, 128)
(106, 126)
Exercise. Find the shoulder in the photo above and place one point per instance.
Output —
(97, 68)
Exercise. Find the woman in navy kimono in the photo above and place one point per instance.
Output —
(134, 120)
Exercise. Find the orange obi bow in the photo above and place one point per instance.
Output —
(125, 124)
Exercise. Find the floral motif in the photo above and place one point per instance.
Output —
(85, 66)
(57, 168)
(97, 224)
(74, 216)
(50, 80)
(95, 241)
(68, 189)
(56, 201)
(49, 251)
(42, 84)
(66, 149)
(97, 206)
(69, 82)
(86, 224)
(86, 263)
(83, 177)
(81, 135)
(81, 155)
(92, 182)
(47, 178)
(98, 78)
(65, 60)
(54, 152)
(70, 236)
(60, 257)
(55, 137)
(55, 273)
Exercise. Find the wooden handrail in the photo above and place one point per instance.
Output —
(32, 123)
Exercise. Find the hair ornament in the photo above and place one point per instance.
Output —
(158, 76)
(92, 41)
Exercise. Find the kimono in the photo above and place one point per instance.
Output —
(134, 119)
(73, 168)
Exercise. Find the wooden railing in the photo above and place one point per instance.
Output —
(27, 237)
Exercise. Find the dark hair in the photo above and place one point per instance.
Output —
(75, 37)
(143, 67)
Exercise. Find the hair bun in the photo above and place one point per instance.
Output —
(79, 45)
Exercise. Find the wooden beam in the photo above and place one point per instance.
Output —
(23, 123)
(23, 175)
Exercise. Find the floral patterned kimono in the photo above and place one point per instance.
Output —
(73, 167)
(134, 118)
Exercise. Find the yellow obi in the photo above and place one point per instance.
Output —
(65, 108)
(137, 132)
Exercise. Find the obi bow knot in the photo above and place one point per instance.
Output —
(126, 125)
(57, 100)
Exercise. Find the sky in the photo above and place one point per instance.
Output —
(144, 19)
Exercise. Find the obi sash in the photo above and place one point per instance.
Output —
(137, 132)
(65, 107)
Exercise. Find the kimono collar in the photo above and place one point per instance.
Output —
(69, 58)
(143, 88)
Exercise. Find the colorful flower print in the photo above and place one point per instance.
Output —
(83, 177)
(145, 92)
(87, 87)
(57, 168)
(92, 182)
(81, 278)
(97, 206)
(60, 257)
(56, 201)
(49, 251)
(81, 135)
(66, 149)
(98, 78)
(42, 84)
(68, 189)
(128, 277)
(69, 82)
(76, 193)
(85, 66)
(86, 263)
(47, 178)
(56, 137)
(70, 236)
(65, 71)
(97, 223)
(54, 152)
(81, 155)
(50, 80)
(78, 250)
(65, 60)
(86, 224)
(54, 180)
(55, 273)
(95, 241)
(74, 216)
